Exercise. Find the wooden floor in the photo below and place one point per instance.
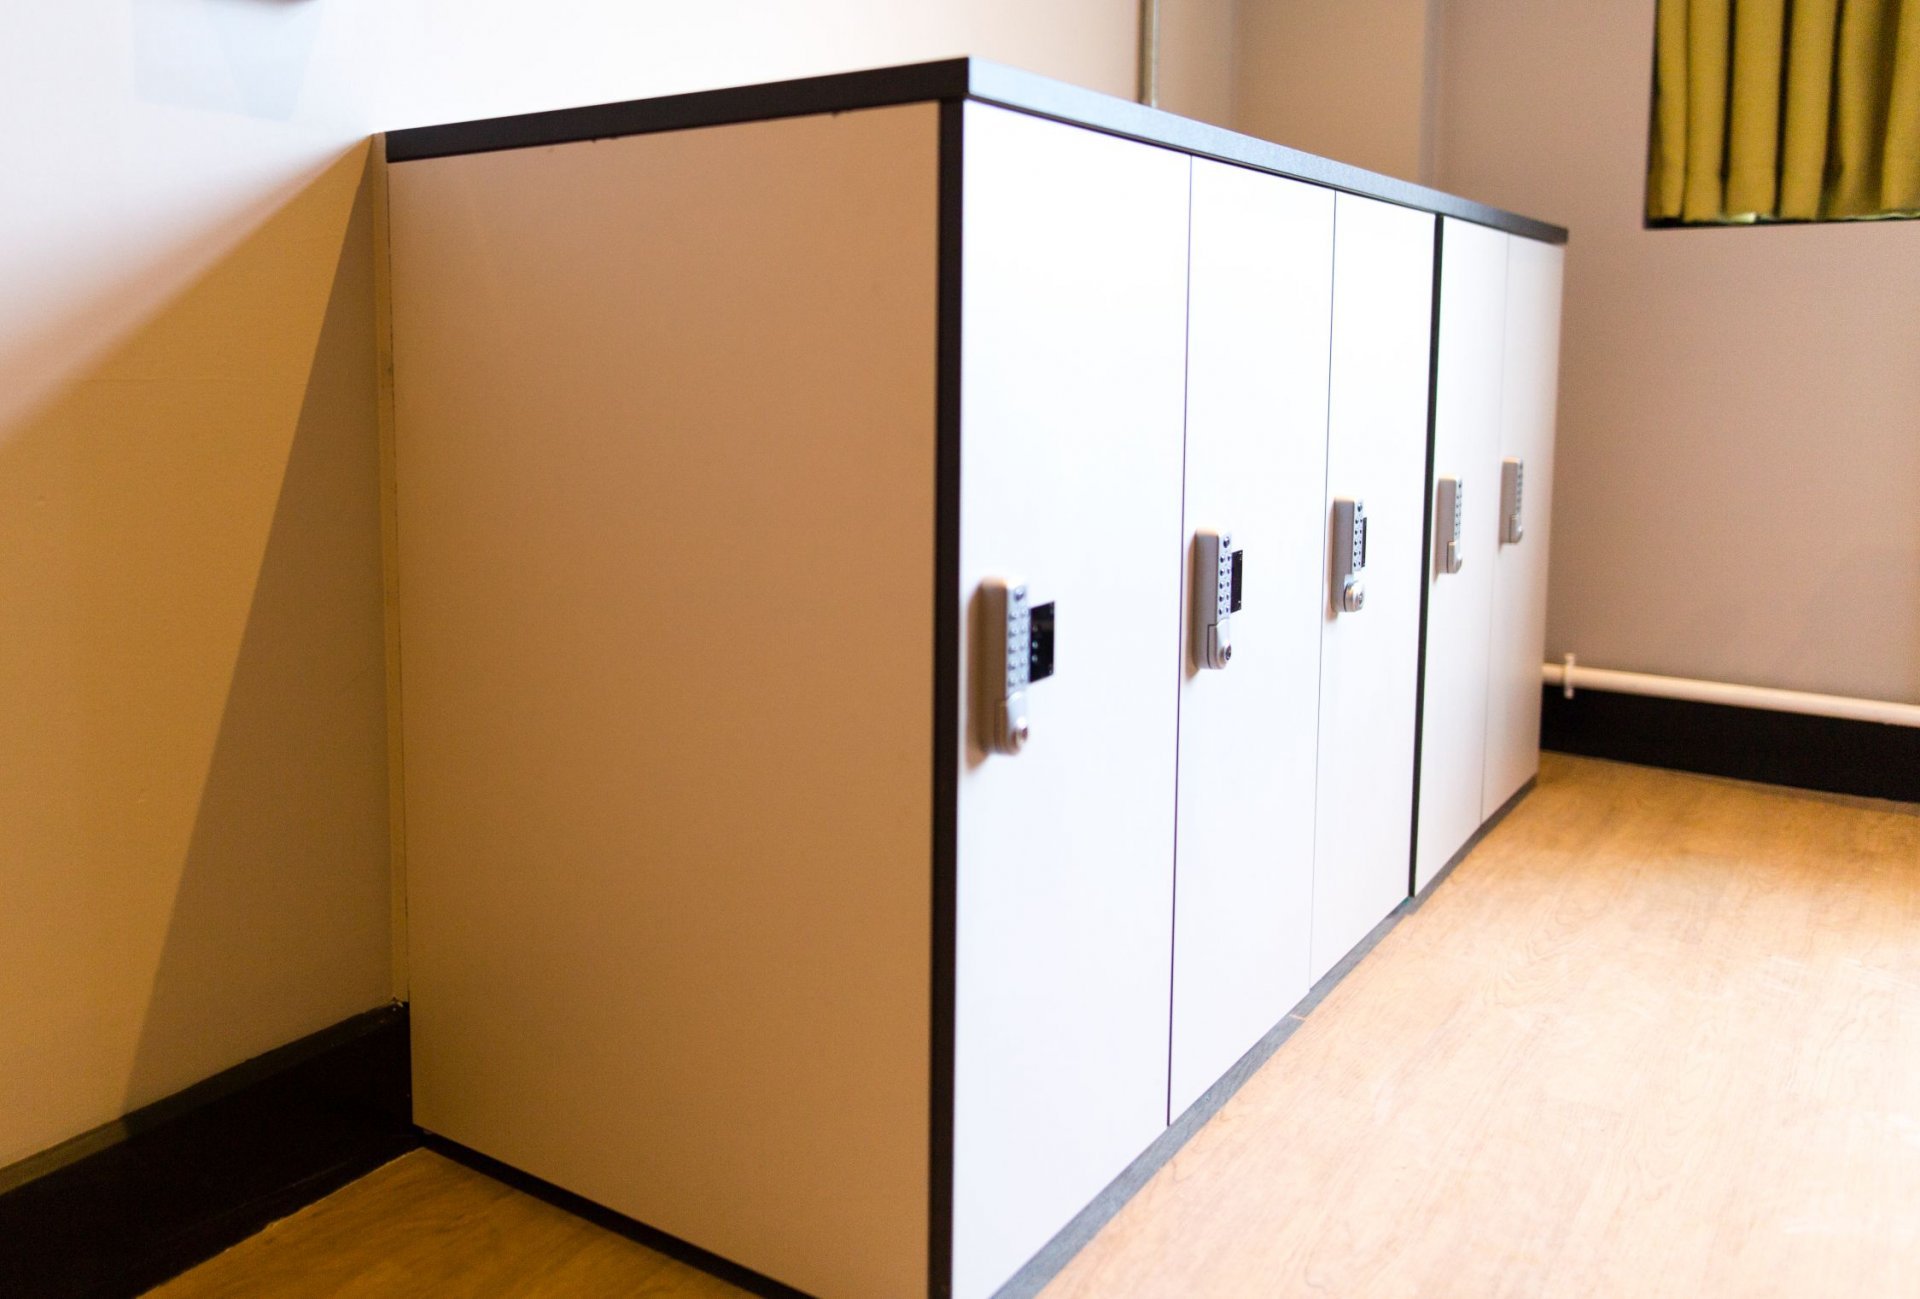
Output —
(1658, 1035)
(424, 1225)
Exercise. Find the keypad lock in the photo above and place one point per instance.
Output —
(1216, 598)
(1349, 553)
(1513, 475)
(1447, 516)
(1007, 632)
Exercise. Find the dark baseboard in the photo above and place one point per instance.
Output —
(121, 1209)
(1831, 754)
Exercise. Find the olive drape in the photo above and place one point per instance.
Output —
(1785, 110)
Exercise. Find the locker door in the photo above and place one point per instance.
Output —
(1466, 451)
(1073, 352)
(1261, 280)
(1376, 455)
(1530, 391)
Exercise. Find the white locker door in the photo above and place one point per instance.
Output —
(1530, 394)
(1466, 449)
(1259, 290)
(1376, 454)
(1073, 352)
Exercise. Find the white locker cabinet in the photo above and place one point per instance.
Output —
(1485, 626)
(1530, 390)
(1259, 296)
(1369, 659)
(1469, 360)
(1073, 348)
(822, 843)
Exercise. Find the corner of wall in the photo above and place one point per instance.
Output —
(389, 563)
(1432, 99)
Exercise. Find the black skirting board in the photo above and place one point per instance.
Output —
(1831, 754)
(119, 1210)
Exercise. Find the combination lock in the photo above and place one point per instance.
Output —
(1349, 553)
(1447, 511)
(1008, 633)
(1513, 479)
(1216, 597)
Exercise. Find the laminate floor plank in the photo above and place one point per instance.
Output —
(1659, 1035)
(424, 1225)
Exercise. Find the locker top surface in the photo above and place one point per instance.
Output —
(944, 80)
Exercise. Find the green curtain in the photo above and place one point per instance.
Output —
(1785, 109)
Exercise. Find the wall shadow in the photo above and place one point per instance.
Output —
(193, 786)
(280, 926)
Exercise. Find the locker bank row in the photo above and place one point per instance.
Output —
(933, 607)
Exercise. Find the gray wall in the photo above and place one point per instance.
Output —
(1738, 490)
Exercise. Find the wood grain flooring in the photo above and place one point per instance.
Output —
(424, 1225)
(1658, 1035)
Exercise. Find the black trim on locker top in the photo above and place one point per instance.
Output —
(1833, 754)
(948, 80)
(947, 631)
(838, 93)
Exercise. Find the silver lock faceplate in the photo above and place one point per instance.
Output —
(1349, 554)
(1213, 597)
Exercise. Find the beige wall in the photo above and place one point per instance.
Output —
(1197, 40)
(1738, 487)
(193, 854)
(192, 785)
(1342, 78)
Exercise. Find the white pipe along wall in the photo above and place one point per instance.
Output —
(1572, 677)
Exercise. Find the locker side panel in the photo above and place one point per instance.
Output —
(666, 478)
(1531, 392)
(1073, 350)
(1466, 448)
(1376, 454)
(1259, 298)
